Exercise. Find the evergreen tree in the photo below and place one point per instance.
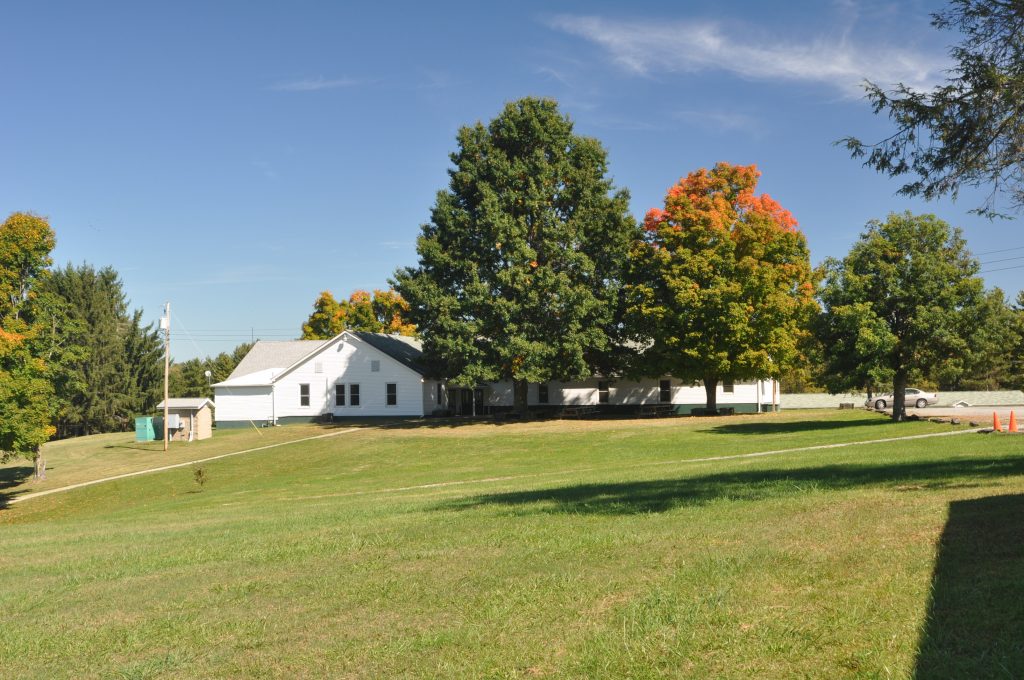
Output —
(188, 378)
(143, 367)
(968, 131)
(119, 372)
(521, 265)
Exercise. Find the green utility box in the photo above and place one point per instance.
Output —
(144, 431)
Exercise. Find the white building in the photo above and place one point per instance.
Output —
(364, 375)
(354, 374)
(751, 396)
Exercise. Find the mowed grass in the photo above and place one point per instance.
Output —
(535, 550)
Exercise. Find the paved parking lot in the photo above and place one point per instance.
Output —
(982, 414)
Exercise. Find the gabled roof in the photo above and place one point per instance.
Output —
(262, 378)
(403, 349)
(188, 403)
(269, 360)
(272, 355)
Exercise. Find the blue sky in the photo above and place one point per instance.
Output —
(238, 158)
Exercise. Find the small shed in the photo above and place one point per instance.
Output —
(188, 419)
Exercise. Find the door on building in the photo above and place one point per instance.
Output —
(466, 402)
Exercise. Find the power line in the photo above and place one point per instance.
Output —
(1005, 259)
(1001, 269)
(1001, 250)
(240, 330)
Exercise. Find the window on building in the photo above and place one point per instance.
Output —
(602, 391)
(304, 395)
(665, 391)
(391, 394)
(542, 393)
(728, 386)
(440, 394)
(374, 366)
(353, 395)
(339, 395)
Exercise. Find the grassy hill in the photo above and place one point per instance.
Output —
(601, 549)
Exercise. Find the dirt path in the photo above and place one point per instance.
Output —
(147, 471)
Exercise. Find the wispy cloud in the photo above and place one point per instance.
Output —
(649, 47)
(554, 74)
(314, 84)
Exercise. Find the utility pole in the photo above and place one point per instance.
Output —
(166, 324)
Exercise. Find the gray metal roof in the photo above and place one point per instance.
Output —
(189, 403)
(278, 354)
(403, 349)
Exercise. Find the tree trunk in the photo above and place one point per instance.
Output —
(519, 390)
(711, 393)
(899, 396)
(40, 464)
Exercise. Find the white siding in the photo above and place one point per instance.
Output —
(430, 402)
(626, 392)
(243, 403)
(350, 362)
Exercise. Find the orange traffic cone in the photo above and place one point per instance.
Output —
(996, 427)
(1013, 423)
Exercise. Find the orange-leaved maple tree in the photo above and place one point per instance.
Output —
(721, 286)
(383, 312)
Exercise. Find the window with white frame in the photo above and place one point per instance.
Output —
(353, 395)
(304, 394)
(339, 395)
(665, 391)
(391, 394)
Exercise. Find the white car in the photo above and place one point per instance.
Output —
(914, 397)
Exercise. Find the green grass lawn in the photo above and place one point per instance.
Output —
(591, 549)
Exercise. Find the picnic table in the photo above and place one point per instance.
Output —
(657, 410)
(578, 411)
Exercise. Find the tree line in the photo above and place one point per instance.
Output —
(74, 358)
(531, 269)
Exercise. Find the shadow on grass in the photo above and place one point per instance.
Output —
(795, 426)
(665, 494)
(134, 448)
(811, 424)
(11, 477)
(975, 624)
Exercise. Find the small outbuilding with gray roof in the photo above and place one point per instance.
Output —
(354, 374)
(189, 419)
